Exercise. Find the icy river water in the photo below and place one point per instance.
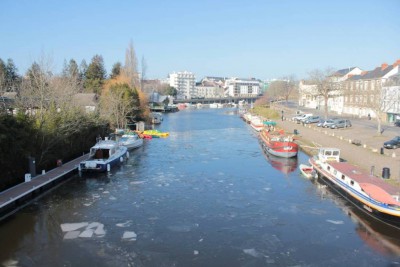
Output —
(205, 196)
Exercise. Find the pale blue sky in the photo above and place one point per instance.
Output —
(261, 38)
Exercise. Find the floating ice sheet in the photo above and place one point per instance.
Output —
(87, 233)
(252, 252)
(129, 235)
(83, 230)
(10, 263)
(125, 224)
(335, 222)
(72, 235)
(67, 227)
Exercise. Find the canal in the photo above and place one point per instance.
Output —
(205, 196)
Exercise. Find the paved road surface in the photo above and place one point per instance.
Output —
(365, 156)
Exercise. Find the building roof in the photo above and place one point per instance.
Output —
(377, 73)
(343, 72)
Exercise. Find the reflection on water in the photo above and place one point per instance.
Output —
(284, 165)
(205, 196)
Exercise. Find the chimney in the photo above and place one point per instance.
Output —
(396, 63)
(384, 66)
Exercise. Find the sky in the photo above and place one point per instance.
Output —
(264, 39)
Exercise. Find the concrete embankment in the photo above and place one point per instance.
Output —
(364, 155)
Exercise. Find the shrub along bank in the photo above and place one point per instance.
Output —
(62, 136)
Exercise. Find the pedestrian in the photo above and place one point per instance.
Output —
(282, 115)
(369, 116)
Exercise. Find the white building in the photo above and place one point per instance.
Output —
(184, 83)
(242, 87)
(208, 89)
(310, 97)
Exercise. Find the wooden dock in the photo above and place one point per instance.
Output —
(16, 196)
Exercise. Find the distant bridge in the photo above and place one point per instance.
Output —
(222, 100)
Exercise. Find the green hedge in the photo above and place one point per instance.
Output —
(63, 136)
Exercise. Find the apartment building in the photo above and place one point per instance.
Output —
(184, 82)
(209, 89)
(311, 98)
(242, 87)
(363, 93)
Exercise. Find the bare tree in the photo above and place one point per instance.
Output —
(326, 87)
(49, 99)
(130, 69)
(144, 72)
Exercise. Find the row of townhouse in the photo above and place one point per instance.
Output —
(359, 93)
(212, 87)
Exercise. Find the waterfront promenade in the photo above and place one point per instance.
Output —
(365, 156)
(13, 197)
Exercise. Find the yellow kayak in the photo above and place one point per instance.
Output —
(156, 133)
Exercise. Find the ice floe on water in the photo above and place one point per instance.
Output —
(252, 252)
(10, 263)
(125, 224)
(137, 182)
(129, 236)
(67, 227)
(83, 230)
(335, 222)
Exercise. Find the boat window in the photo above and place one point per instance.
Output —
(343, 176)
(336, 153)
(99, 154)
(328, 153)
(329, 168)
(106, 153)
(352, 182)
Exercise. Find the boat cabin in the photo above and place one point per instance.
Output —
(103, 150)
(329, 154)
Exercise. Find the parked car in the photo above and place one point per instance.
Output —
(301, 117)
(397, 123)
(341, 123)
(312, 119)
(320, 122)
(328, 123)
(392, 144)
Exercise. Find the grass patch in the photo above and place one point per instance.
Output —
(265, 112)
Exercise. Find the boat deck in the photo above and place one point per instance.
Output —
(12, 197)
(360, 176)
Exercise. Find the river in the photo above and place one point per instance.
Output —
(205, 196)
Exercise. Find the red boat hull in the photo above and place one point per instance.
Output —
(278, 144)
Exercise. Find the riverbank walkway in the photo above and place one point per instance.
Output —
(12, 197)
(366, 153)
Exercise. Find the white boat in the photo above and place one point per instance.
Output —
(256, 123)
(104, 155)
(214, 105)
(367, 192)
(307, 171)
(130, 140)
(156, 117)
(247, 117)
